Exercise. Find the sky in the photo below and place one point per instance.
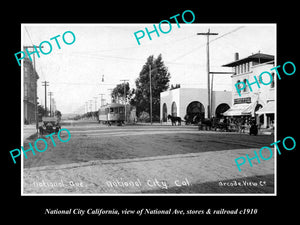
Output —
(75, 71)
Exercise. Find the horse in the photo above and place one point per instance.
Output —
(205, 122)
(196, 119)
(174, 119)
(188, 119)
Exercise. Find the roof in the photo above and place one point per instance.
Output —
(258, 57)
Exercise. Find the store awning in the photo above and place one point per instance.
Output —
(268, 108)
(237, 110)
(249, 109)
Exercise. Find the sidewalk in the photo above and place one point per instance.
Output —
(138, 175)
(28, 130)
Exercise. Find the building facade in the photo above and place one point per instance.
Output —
(191, 101)
(30, 91)
(260, 102)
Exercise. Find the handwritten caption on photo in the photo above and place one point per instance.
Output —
(13, 156)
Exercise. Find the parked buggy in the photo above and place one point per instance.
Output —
(49, 125)
(220, 124)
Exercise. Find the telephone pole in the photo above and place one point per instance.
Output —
(95, 103)
(110, 89)
(86, 107)
(125, 98)
(212, 84)
(50, 94)
(91, 105)
(101, 100)
(208, 77)
(45, 84)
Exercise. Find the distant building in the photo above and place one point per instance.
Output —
(30, 91)
(260, 102)
(192, 101)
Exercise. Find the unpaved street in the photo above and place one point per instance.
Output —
(147, 159)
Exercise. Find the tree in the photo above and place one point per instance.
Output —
(160, 78)
(41, 112)
(58, 114)
(118, 92)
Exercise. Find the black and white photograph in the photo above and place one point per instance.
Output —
(144, 110)
(170, 108)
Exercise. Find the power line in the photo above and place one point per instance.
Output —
(28, 35)
(234, 30)
(136, 47)
(202, 45)
(109, 57)
(92, 84)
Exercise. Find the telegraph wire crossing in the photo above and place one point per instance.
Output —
(101, 56)
(210, 41)
(108, 57)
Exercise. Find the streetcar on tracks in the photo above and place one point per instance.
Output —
(113, 113)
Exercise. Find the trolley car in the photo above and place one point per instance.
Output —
(113, 113)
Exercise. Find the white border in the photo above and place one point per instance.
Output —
(150, 194)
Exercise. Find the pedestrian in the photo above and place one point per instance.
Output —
(253, 127)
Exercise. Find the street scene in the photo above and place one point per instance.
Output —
(161, 118)
(96, 157)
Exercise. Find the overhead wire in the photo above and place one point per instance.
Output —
(28, 35)
(202, 45)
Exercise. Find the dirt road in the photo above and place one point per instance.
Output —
(147, 159)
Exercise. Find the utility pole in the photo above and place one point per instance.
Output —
(50, 94)
(212, 83)
(110, 89)
(45, 84)
(86, 107)
(125, 98)
(95, 103)
(91, 105)
(101, 100)
(150, 94)
(208, 77)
